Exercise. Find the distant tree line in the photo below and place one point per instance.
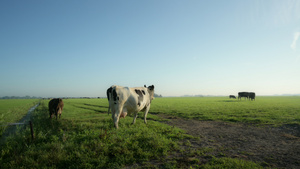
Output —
(156, 95)
(34, 97)
(20, 97)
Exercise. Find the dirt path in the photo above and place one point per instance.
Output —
(268, 146)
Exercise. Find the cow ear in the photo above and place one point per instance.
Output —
(151, 87)
(144, 85)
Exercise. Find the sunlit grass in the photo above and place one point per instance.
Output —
(85, 137)
(12, 110)
(265, 110)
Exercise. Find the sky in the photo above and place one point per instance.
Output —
(76, 48)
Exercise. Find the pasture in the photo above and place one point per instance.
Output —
(12, 110)
(265, 110)
(85, 137)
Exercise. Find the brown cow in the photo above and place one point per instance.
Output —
(55, 107)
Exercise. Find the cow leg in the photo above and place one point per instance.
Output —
(56, 113)
(116, 112)
(108, 110)
(109, 106)
(134, 118)
(116, 119)
(146, 113)
(59, 112)
(112, 115)
(52, 111)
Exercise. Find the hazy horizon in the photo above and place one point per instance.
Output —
(103, 97)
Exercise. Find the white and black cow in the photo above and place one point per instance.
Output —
(125, 100)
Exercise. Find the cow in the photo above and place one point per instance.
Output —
(125, 100)
(247, 95)
(243, 94)
(232, 96)
(108, 94)
(55, 107)
(252, 96)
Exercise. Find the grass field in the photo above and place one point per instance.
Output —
(85, 137)
(12, 110)
(265, 110)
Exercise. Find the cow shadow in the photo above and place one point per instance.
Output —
(228, 100)
(91, 108)
(86, 104)
(155, 113)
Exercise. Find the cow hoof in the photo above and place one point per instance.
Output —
(116, 126)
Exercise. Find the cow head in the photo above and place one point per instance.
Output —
(151, 91)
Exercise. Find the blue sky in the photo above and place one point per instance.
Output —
(80, 48)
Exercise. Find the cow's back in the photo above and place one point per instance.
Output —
(120, 94)
(141, 99)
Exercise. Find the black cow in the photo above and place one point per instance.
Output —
(243, 94)
(232, 96)
(247, 95)
(55, 107)
(252, 95)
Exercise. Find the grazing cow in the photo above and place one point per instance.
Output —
(232, 96)
(125, 100)
(55, 107)
(243, 94)
(247, 95)
(252, 95)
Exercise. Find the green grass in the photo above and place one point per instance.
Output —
(85, 136)
(12, 110)
(229, 163)
(265, 110)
